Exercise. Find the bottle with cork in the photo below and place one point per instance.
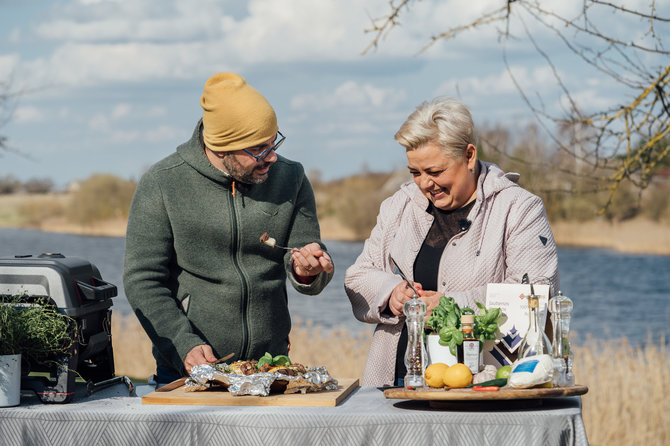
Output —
(470, 348)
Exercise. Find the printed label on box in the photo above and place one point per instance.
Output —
(512, 301)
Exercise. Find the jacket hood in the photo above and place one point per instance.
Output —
(490, 182)
(492, 179)
(193, 154)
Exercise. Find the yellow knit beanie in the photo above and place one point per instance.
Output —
(235, 115)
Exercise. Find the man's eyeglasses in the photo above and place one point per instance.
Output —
(265, 152)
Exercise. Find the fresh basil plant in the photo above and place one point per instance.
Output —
(445, 320)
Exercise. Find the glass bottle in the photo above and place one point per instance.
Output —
(561, 307)
(470, 343)
(415, 361)
(535, 342)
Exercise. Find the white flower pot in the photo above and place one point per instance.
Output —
(10, 380)
(437, 352)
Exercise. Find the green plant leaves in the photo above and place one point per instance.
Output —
(445, 320)
(446, 314)
(281, 360)
(486, 322)
(275, 361)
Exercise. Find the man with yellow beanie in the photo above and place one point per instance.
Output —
(195, 273)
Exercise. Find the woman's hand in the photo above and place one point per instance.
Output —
(432, 300)
(311, 260)
(401, 294)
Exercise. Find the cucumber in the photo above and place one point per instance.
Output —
(498, 382)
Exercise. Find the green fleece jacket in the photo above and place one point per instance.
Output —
(195, 271)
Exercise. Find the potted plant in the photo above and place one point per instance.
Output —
(31, 330)
(443, 329)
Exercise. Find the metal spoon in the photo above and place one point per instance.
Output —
(397, 270)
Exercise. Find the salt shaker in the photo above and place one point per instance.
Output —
(415, 360)
(561, 307)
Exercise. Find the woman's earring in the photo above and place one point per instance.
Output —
(472, 170)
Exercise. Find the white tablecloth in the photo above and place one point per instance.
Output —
(366, 417)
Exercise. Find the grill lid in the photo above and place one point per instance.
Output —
(71, 282)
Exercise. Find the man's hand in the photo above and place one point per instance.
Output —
(311, 260)
(200, 354)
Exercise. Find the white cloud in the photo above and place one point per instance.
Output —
(8, 63)
(135, 41)
(501, 83)
(86, 65)
(14, 35)
(163, 133)
(102, 41)
(156, 111)
(25, 114)
(94, 2)
(590, 99)
(99, 122)
(121, 111)
(351, 96)
(110, 125)
(63, 113)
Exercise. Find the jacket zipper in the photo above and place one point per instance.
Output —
(245, 285)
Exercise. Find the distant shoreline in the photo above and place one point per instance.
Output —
(634, 237)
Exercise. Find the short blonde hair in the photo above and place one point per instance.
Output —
(443, 120)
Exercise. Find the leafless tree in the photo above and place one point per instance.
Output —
(623, 143)
(4, 100)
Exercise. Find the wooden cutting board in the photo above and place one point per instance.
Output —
(429, 394)
(221, 397)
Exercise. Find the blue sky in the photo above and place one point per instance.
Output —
(112, 86)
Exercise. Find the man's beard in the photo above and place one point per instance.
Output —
(239, 173)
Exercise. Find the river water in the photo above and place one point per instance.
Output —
(614, 294)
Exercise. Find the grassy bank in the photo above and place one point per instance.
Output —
(638, 235)
(626, 404)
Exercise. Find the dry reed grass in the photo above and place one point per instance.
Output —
(340, 352)
(626, 404)
(633, 236)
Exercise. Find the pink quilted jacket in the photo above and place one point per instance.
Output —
(509, 235)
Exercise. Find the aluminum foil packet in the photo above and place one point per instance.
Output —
(316, 379)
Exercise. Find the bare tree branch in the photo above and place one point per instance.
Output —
(613, 145)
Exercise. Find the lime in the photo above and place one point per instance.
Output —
(504, 371)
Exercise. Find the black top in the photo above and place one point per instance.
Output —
(446, 224)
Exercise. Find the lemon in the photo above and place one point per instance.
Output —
(458, 375)
(434, 374)
(504, 371)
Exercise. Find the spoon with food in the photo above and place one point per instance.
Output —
(272, 243)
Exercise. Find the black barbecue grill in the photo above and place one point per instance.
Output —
(75, 287)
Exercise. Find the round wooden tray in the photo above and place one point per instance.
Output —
(504, 393)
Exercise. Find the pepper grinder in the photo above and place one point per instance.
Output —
(415, 361)
(561, 307)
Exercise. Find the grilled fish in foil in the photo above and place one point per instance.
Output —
(314, 379)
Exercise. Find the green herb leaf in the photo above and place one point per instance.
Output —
(281, 360)
(265, 359)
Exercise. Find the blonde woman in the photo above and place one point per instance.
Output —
(461, 224)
